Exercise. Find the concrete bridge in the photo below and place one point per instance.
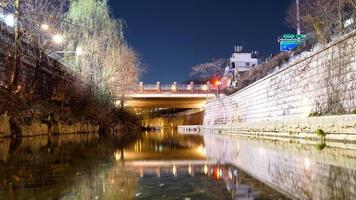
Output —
(171, 95)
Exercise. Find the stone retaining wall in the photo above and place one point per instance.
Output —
(320, 81)
(36, 127)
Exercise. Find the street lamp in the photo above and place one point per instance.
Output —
(298, 16)
(44, 27)
(79, 51)
(218, 83)
(57, 38)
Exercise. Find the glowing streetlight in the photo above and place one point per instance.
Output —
(10, 20)
(79, 51)
(58, 39)
(218, 83)
(44, 27)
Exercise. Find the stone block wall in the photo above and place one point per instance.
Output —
(323, 81)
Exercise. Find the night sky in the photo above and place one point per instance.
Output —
(173, 35)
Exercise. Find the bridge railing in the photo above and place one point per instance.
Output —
(174, 87)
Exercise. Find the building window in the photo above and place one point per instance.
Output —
(247, 64)
(233, 65)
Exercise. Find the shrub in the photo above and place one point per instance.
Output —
(320, 146)
(314, 114)
(320, 132)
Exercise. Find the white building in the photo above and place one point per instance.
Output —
(239, 63)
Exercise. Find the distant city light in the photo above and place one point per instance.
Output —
(79, 51)
(10, 20)
(45, 27)
(58, 39)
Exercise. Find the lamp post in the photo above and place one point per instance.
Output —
(57, 39)
(298, 17)
(218, 83)
(16, 65)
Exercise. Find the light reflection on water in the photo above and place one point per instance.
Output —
(167, 165)
(297, 170)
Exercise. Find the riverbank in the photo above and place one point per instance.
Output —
(21, 118)
(48, 167)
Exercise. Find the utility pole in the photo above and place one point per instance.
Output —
(17, 59)
(298, 17)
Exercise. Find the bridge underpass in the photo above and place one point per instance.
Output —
(185, 102)
(170, 96)
(165, 102)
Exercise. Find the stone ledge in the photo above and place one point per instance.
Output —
(337, 128)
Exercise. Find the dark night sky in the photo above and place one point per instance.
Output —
(173, 35)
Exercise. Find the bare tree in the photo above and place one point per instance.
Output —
(31, 18)
(122, 75)
(321, 18)
(206, 71)
(47, 23)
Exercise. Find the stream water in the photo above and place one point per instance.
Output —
(168, 165)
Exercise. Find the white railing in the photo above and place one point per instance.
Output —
(176, 87)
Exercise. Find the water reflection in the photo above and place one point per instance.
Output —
(181, 168)
(300, 171)
(63, 167)
(157, 165)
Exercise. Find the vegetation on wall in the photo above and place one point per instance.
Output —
(80, 74)
(322, 19)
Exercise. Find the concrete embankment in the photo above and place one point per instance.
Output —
(340, 128)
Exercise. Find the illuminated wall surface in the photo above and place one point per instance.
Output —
(299, 171)
(294, 90)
